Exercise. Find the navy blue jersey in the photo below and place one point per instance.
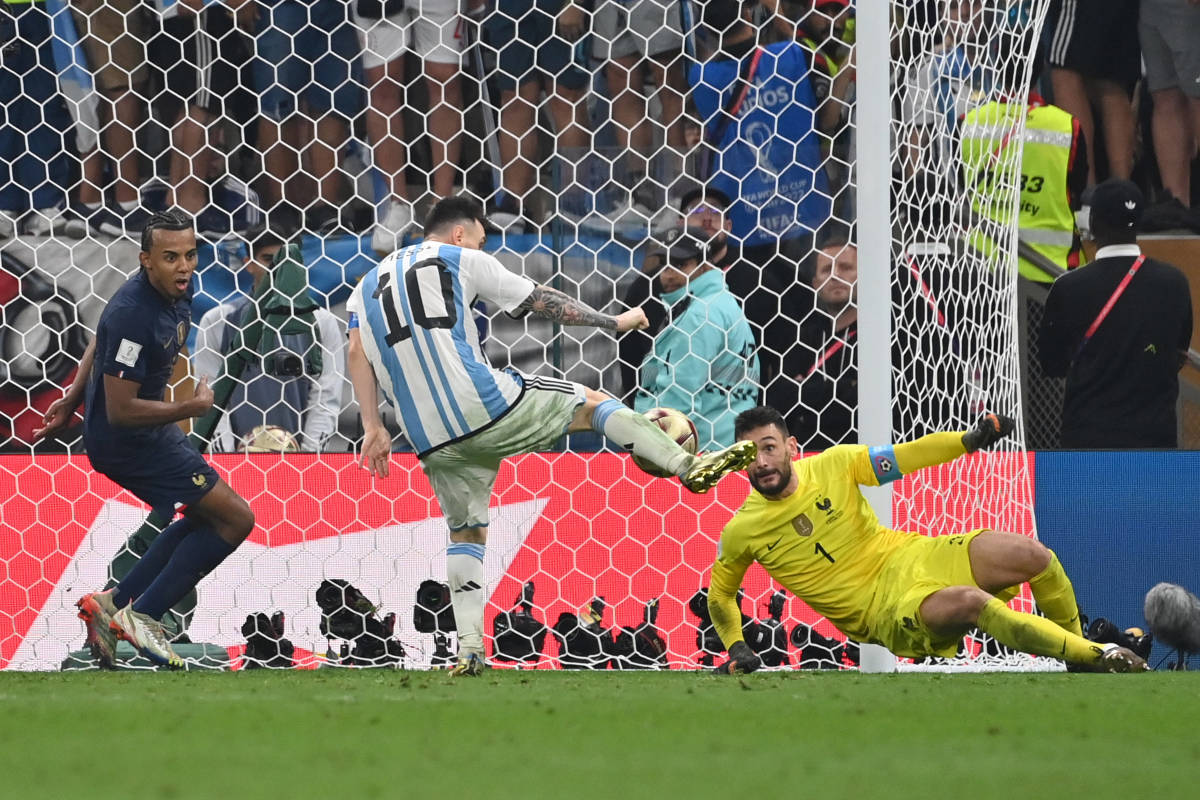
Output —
(138, 338)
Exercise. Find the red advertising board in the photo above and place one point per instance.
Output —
(578, 525)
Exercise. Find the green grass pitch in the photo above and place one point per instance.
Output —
(530, 734)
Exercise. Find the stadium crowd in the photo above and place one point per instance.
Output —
(588, 118)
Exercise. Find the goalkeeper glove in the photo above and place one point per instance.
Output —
(741, 659)
(990, 429)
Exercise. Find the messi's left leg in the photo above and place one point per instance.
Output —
(462, 476)
(1000, 561)
(464, 573)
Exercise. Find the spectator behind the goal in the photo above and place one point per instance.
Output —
(817, 390)
(307, 71)
(820, 27)
(432, 31)
(940, 89)
(291, 389)
(640, 42)
(1119, 330)
(201, 55)
(1095, 60)
(826, 30)
(540, 48)
(703, 359)
(758, 114)
(1170, 40)
(1051, 175)
(34, 169)
(704, 210)
(773, 291)
(114, 35)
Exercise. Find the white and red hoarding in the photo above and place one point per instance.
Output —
(578, 525)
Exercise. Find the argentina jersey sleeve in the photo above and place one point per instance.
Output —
(485, 277)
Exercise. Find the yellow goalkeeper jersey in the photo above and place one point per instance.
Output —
(823, 542)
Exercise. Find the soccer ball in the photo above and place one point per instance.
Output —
(674, 424)
(270, 439)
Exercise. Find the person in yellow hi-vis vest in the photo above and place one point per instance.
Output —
(1052, 177)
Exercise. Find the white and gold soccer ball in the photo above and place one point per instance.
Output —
(676, 425)
(271, 439)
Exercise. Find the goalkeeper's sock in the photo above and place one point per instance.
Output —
(1054, 595)
(197, 555)
(639, 435)
(1030, 633)
(464, 569)
(152, 561)
(1007, 594)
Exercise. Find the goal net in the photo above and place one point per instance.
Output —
(591, 138)
(959, 70)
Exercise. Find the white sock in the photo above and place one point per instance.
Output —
(464, 568)
(643, 438)
(128, 205)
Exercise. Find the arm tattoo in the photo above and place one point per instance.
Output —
(554, 305)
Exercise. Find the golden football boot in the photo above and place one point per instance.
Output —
(709, 468)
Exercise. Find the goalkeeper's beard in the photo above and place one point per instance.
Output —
(770, 483)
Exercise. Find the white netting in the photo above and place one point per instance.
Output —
(955, 336)
(272, 116)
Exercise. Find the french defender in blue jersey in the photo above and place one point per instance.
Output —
(411, 331)
(131, 437)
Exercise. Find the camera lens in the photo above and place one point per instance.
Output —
(284, 365)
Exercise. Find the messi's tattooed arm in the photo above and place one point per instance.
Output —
(558, 307)
(553, 305)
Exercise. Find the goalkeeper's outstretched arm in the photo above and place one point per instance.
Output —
(938, 448)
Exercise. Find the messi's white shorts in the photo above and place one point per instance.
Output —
(463, 473)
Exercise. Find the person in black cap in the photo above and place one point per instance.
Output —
(703, 360)
(775, 293)
(1119, 330)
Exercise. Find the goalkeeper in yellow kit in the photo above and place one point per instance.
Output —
(810, 527)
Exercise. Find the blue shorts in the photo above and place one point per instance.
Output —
(169, 476)
(308, 52)
(529, 50)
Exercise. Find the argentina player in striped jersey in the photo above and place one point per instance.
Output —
(411, 332)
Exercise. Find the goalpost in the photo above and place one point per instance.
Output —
(581, 540)
(953, 345)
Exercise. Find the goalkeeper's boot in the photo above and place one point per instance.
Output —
(1121, 659)
(97, 610)
(470, 665)
(709, 468)
(146, 634)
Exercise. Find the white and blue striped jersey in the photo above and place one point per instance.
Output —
(413, 312)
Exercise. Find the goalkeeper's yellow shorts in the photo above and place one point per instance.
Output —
(911, 574)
